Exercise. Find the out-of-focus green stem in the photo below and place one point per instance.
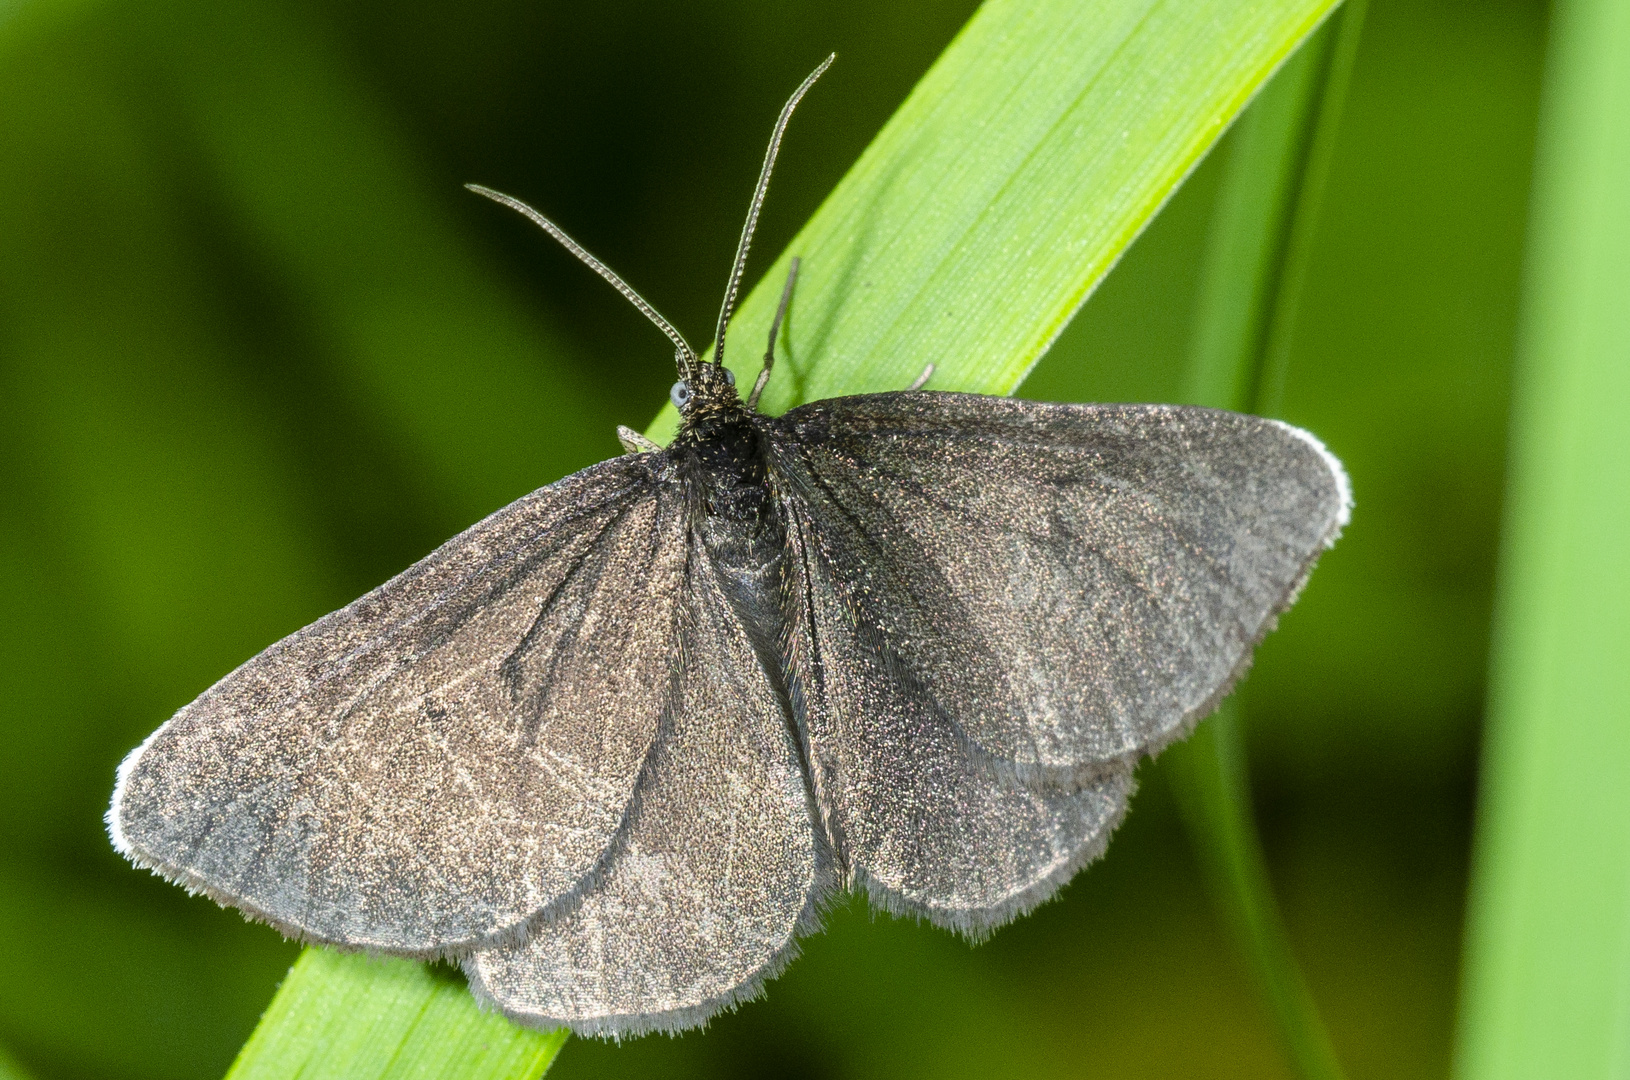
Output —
(1547, 970)
(1340, 51)
(1214, 792)
(1255, 261)
(10, 1068)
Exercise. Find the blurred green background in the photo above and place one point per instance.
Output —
(259, 351)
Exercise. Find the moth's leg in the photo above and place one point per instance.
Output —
(775, 328)
(922, 380)
(634, 442)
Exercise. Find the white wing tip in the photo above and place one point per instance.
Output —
(115, 814)
(1344, 486)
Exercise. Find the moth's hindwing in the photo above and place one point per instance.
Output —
(927, 825)
(718, 868)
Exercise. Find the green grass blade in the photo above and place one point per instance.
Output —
(345, 1016)
(1337, 77)
(1213, 789)
(1547, 973)
(1255, 257)
(1250, 229)
(1003, 190)
(1010, 181)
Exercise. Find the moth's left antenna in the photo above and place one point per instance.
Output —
(683, 353)
(758, 202)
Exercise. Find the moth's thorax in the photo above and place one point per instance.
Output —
(721, 457)
(734, 512)
(718, 440)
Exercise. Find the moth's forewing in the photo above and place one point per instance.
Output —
(1075, 585)
(414, 771)
(718, 867)
(927, 825)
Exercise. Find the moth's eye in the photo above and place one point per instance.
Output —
(729, 377)
(680, 394)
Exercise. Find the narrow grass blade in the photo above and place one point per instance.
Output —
(1250, 230)
(1255, 258)
(1337, 56)
(1010, 181)
(1547, 972)
(1213, 789)
(342, 1016)
(1003, 190)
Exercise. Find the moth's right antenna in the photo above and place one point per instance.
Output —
(758, 202)
(684, 355)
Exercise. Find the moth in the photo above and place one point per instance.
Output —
(613, 747)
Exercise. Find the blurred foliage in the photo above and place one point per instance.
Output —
(1547, 969)
(258, 351)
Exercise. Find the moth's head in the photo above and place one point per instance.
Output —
(703, 387)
